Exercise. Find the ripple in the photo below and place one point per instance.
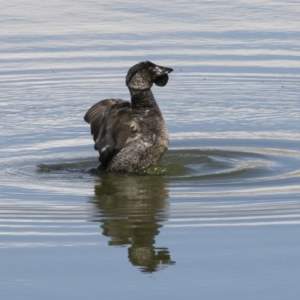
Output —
(223, 164)
(235, 213)
(199, 166)
(202, 164)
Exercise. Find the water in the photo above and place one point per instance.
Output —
(222, 218)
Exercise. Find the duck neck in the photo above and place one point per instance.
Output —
(142, 102)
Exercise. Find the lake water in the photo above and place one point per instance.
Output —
(222, 223)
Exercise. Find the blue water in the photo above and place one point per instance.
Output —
(223, 219)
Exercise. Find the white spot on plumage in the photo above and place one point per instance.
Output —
(104, 148)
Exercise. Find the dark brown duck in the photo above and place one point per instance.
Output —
(131, 136)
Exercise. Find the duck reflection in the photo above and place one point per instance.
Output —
(132, 210)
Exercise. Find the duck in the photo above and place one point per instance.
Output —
(131, 136)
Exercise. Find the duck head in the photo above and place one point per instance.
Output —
(142, 76)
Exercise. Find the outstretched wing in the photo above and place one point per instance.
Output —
(112, 127)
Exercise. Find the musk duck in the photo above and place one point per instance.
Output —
(131, 136)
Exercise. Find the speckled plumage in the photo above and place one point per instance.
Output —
(131, 136)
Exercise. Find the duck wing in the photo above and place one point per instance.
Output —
(112, 127)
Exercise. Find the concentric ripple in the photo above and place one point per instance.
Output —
(216, 166)
(209, 167)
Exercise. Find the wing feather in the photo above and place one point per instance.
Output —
(96, 116)
(112, 127)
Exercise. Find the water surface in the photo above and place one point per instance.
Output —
(218, 218)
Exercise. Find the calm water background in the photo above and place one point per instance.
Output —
(223, 223)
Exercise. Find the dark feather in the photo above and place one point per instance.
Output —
(98, 113)
(112, 127)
